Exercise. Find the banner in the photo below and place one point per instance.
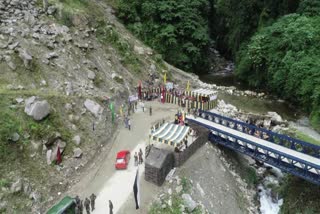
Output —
(133, 98)
(165, 78)
(188, 86)
(213, 97)
(169, 85)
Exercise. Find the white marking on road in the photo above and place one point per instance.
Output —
(119, 187)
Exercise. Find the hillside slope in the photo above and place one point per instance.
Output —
(64, 54)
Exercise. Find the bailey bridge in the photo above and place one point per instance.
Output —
(288, 154)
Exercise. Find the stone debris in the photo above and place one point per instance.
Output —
(77, 140)
(77, 152)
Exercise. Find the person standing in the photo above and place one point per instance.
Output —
(142, 105)
(92, 198)
(129, 124)
(140, 156)
(87, 205)
(150, 110)
(81, 207)
(110, 207)
(135, 159)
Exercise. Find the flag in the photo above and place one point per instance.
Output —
(188, 86)
(59, 157)
(139, 90)
(136, 190)
(165, 78)
(163, 95)
(121, 111)
(112, 111)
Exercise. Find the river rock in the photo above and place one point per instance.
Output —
(93, 107)
(16, 186)
(275, 117)
(77, 152)
(189, 202)
(37, 109)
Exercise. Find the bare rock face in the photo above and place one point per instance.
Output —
(37, 109)
(93, 107)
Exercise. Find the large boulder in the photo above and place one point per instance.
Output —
(189, 202)
(37, 109)
(93, 107)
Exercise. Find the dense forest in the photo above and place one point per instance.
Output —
(275, 43)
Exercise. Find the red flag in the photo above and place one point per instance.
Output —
(59, 157)
(139, 90)
(163, 95)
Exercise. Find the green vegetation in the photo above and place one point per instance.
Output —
(15, 120)
(285, 58)
(300, 196)
(177, 29)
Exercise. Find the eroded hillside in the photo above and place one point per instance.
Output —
(57, 63)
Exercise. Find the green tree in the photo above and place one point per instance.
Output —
(177, 29)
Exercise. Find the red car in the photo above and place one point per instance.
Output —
(122, 160)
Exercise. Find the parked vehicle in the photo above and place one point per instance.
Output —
(122, 159)
(66, 206)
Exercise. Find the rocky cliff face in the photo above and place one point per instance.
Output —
(67, 72)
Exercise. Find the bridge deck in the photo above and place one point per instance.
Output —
(260, 141)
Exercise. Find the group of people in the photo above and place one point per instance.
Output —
(87, 203)
(138, 159)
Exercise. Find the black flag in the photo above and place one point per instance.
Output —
(136, 190)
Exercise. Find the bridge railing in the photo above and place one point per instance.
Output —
(283, 140)
(279, 159)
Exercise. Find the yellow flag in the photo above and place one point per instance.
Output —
(121, 113)
(165, 78)
(188, 86)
